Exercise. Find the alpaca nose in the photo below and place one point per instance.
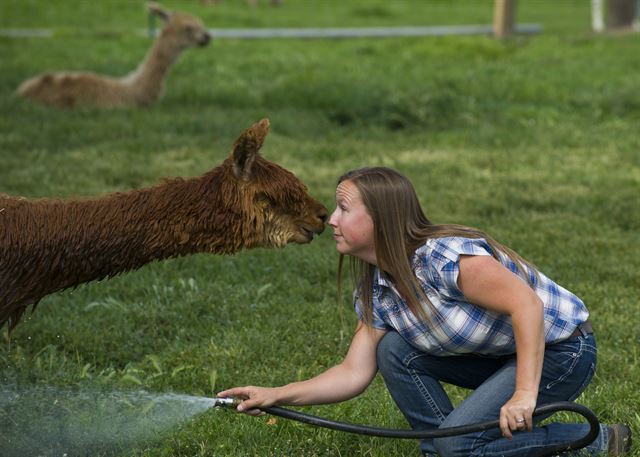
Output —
(323, 215)
(204, 40)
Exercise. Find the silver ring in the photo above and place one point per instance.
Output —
(520, 421)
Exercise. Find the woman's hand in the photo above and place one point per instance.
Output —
(517, 413)
(253, 398)
(339, 383)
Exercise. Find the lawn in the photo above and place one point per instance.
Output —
(534, 140)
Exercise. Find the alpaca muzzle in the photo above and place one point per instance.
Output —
(204, 40)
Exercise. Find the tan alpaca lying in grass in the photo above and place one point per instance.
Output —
(247, 202)
(249, 2)
(142, 87)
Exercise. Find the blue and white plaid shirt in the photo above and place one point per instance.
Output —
(459, 327)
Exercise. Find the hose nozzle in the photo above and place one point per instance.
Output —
(226, 402)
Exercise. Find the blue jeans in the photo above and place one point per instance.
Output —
(414, 381)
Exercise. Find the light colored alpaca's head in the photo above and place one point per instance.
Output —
(181, 29)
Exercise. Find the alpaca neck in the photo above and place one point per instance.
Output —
(104, 237)
(147, 81)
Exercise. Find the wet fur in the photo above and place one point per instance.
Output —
(48, 245)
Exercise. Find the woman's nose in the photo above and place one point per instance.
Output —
(332, 219)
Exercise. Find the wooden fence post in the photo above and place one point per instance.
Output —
(504, 14)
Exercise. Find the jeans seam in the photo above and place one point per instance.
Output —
(576, 358)
(584, 348)
(585, 383)
(421, 387)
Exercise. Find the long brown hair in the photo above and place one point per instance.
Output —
(399, 228)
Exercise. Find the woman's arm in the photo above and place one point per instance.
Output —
(338, 383)
(487, 283)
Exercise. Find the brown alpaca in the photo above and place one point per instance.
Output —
(142, 87)
(247, 202)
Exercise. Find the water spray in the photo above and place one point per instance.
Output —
(88, 420)
(47, 420)
(544, 410)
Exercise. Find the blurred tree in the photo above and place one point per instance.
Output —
(621, 13)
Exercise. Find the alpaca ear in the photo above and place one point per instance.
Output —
(155, 8)
(246, 148)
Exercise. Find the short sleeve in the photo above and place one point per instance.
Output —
(377, 322)
(445, 264)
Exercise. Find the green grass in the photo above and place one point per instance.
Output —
(533, 140)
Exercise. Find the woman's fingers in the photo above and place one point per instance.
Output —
(255, 412)
(517, 414)
(235, 392)
(505, 426)
(249, 406)
(253, 398)
(515, 422)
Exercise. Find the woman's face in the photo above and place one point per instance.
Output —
(352, 225)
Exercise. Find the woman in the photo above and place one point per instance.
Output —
(446, 303)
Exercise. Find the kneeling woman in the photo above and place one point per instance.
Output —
(446, 303)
